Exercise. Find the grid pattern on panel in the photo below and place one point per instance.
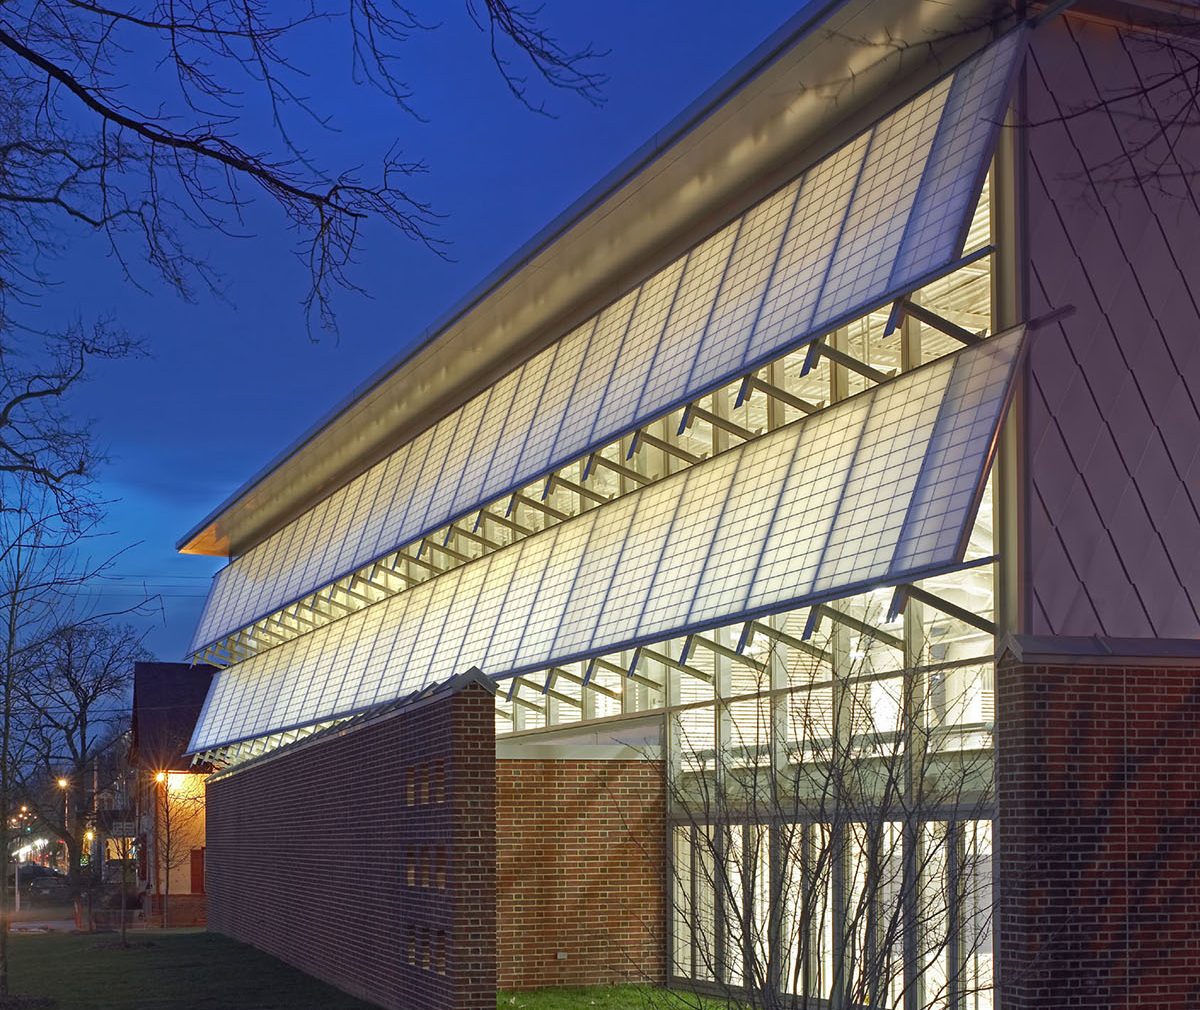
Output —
(875, 490)
(869, 222)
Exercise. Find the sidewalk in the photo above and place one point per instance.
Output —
(42, 926)
(42, 918)
(60, 919)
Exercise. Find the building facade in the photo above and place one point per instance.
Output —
(818, 497)
(164, 795)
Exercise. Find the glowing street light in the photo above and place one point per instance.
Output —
(62, 784)
(160, 777)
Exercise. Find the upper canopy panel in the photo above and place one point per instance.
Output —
(832, 69)
(873, 220)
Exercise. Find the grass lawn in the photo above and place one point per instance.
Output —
(183, 970)
(618, 997)
(193, 970)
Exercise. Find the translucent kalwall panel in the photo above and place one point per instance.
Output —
(872, 220)
(815, 510)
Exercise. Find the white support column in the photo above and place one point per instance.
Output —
(1010, 306)
(839, 376)
(910, 343)
(778, 655)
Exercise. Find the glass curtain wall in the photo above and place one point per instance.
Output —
(829, 769)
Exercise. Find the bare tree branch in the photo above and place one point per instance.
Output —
(82, 141)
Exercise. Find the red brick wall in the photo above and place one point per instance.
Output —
(368, 858)
(182, 910)
(1098, 832)
(580, 869)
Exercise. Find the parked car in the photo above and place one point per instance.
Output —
(49, 888)
(40, 884)
(31, 872)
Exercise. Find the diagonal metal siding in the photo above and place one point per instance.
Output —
(1112, 418)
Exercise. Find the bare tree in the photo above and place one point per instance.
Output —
(110, 824)
(47, 527)
(831, 840)
(81, 143)
(76, 694)
(122, 791)
(38, 536)
(40, 441)
(178, 826)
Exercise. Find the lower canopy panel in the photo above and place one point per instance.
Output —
(878, 489)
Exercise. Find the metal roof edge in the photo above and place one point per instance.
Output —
(1099, 650)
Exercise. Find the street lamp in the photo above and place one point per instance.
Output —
(63, 782)
(160, 777)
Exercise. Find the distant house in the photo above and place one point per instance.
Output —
(169, 797)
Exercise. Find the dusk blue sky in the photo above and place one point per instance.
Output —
(231, 382)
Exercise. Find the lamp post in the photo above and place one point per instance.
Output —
(162, 830)
(64, 784)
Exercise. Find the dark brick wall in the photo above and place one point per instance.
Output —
(368, 858)
(580, 870)
(1098, 794)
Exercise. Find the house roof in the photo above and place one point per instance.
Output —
(167, 698)
(827, 73)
